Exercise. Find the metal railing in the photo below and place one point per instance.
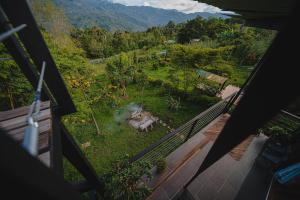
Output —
(173, 140)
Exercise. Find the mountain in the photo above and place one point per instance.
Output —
(111, 16)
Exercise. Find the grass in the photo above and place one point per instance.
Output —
(239, 75)
(116, 138)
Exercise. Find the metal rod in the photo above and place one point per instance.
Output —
(191, 130)
(7, 34)
(30, 141)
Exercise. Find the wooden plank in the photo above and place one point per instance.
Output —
(43, 141)
(19, 122)
(14, 122)
(45, 158)
(44, 126)
(6, 115)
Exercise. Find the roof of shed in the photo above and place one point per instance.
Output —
(210, 76)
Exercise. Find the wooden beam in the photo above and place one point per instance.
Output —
(35, 45)
(75, 156)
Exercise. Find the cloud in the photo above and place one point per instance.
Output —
(185, 6)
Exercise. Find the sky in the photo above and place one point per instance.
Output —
(185, 6)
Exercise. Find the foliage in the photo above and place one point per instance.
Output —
(173, 103)
(124, 180)
(52, 19)
(194, 56)
(224, 69)
(276, 131)
(208, 87)
(99, 43)
(160, 164)
(200, 28)
(278, 134)
(15, 90)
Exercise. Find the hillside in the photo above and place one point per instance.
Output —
(89, 13)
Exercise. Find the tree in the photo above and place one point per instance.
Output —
(52, 19)
(15, 89)
(83, 85)
(142, 81)
(120, 72)
(241, 39)
(192, 29)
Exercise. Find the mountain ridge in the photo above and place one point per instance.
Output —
(113, 16)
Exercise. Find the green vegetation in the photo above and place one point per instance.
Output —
(108, 73)
(14, 88)
(161, 165)
(124, 180)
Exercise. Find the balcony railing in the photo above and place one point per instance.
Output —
(173, 140)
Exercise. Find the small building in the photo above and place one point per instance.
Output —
(196, 40)
(163, 53)
(212, 77)
(170, 42)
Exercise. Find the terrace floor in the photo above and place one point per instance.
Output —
(223, 180)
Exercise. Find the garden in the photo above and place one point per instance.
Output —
(111, 74)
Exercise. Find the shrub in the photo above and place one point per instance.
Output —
(155, 82)
(163, 63)
(278, 134)
(161, 165)
(276, 131)
(124, 181)
(173, 103)
(155, 66)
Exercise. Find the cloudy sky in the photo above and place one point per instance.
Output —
(186, 6)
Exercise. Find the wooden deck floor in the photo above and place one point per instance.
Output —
(14, 122)
(183, 163)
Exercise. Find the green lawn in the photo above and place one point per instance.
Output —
(118, 138)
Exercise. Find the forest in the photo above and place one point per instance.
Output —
(107, 73)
